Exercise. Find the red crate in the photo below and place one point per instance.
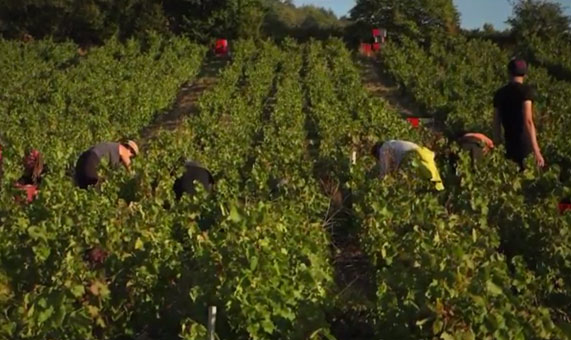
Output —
(376, 32)
(221, 46)
(366, 49)
(563, 207)
(413, 121)
(376, 47)
(30, 190)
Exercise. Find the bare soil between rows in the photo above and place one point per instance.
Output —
(186, 101)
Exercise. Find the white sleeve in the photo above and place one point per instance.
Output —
(384, 160)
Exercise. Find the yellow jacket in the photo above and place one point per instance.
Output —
(427, 161)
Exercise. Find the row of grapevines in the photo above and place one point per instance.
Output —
(66, 104)
(458, 88)
(521, 211)
(91, 299)
(439, 269)
(62, 103)
(225, 131)
(152, 265)
(281, 161)
(269, 259)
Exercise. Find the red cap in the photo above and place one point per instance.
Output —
(517, 67)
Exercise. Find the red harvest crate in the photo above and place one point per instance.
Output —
(221, 46)
(563, 207)
(30, 190)
(413, 121)
(366, 49)
(376, 47)
(376, 32)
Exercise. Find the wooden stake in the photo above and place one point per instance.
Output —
(211, 322)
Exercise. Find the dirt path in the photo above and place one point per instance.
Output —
(186, 99)
(354, 274)
(381, 85)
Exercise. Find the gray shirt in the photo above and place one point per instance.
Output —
(392, 153)
(109, 150)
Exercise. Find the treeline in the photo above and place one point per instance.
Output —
(420, 19)
(94, 21)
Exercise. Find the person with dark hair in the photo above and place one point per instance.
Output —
(116, 153)
(194, 172)
(34, 170)
(390, 154)
(513, 106)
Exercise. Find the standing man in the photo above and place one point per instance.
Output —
(513, 106)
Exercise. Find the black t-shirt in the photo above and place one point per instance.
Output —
(194, 172)
(509, 102)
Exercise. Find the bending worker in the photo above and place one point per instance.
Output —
(193, 172)
(34, 170)
(477, 144)
(513, 106)
(391, 153)
(88, 162)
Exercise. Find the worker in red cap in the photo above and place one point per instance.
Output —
(34, 170)
(513, 106)
(115, 153)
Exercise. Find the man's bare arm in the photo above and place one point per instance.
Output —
(125, 160)
(530, 129)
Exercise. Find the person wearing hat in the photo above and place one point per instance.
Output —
(115, 153)
(513, 106)
(194, 172)
(391, 153)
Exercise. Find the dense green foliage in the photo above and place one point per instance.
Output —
(264, 263)
(553, 54)
(416, 18)
(542, 32)
(519, 216)
(488, 258)
(541, 19)
(64, 102)
(458, 88)
(95, 21)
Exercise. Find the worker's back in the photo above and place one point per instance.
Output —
(194, 172)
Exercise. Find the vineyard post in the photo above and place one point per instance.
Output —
(211, 322)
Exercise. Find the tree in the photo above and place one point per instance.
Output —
(488, 28)
(539, 18)
(416, 18)
(85, 21)
(249, 19)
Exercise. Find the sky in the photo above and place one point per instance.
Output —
(474, 13)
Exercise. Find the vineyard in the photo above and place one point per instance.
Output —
(487, 258)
